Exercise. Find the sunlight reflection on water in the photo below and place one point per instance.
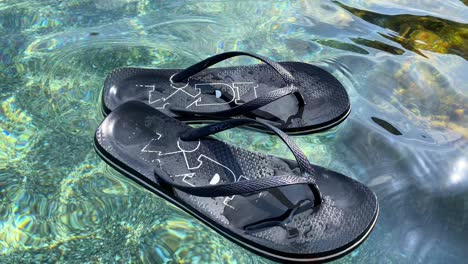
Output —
(60, 202)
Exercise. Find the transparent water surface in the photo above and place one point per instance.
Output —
(404, 64)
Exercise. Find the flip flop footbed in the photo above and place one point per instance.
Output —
(136, 138)
(215, 89)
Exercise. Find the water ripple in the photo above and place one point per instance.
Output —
(60, 203)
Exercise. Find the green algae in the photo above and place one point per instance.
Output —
(418, 33)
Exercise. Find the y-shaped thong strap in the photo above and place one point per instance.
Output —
(246, 186)
(248, 106)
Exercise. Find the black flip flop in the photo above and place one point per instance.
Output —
(262, 91)
(289, 211)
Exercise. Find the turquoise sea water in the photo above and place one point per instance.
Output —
(404, 64)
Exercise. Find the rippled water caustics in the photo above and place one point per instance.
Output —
(404, 64)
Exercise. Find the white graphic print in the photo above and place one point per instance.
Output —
(153, 96)
(228, 199)
(144, 149)
(236, 92)
(185, 176)
(202, 160)
(215, 179)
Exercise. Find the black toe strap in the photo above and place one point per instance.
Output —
(235, 188)
(247, 107)
(270, 97)
(263, 183)
(200, 66)
(197, 133)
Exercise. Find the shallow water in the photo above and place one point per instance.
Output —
(404, 64)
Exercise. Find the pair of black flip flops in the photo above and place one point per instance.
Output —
(286, 210)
